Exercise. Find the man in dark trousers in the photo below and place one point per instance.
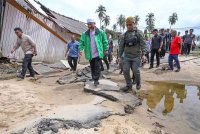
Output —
(156, 47)
(132, 45)
(72, 51)
(183, 42)
(189, 40)
(29, 48)
(95, 45)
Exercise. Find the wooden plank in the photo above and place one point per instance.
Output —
(20, 8)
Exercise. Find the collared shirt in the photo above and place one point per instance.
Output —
(26, 44)
(156, 42)
(93, 44)
(175, 45)
(73, 48)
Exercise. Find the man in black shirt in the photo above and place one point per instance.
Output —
(156, 46)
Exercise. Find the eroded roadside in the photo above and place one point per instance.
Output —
(45, 106)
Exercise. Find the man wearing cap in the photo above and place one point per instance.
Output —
(132, 44)
(95, 45)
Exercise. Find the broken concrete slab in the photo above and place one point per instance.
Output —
(43, 69)
(111, 91)
(105, 85)
(57, 65)
(72, 116)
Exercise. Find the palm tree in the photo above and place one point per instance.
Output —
(101, 12)
(150, 21)
(102, 27)
(121, 20)
(173, 19)
(114, 27)
(137, 19)
(106, 21)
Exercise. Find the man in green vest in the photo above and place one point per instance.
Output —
(95, 45)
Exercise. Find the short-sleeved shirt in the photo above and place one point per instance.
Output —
(73, 48)
(189, 38)
(156, 42)
(175, 45)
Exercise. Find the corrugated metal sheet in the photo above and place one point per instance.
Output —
(49, 47)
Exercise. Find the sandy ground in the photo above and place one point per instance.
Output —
(21, 101)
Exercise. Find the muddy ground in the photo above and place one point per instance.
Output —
(21, 102)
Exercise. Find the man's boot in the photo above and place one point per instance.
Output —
(96, 83)
(138, 86)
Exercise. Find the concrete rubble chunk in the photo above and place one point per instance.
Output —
(84, 75)
(111, 91)
(43, 69)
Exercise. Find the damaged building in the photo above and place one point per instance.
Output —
(50, 30)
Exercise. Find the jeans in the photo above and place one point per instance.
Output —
(153, 52)
(171, 58)
(73, 62)
(134, 65)
(95, 68)
(27, 64)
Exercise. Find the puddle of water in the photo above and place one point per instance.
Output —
(177, 104)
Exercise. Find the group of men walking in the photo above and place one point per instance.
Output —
(134, 45)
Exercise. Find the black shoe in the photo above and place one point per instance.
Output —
(96, 83)
(126, 89)
(121, 72)
(20, 78)
(138, 86)
(178, 70)
(150, 67)
(157, 66)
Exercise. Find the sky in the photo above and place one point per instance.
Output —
(188, 11)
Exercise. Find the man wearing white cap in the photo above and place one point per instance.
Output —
(95, 45)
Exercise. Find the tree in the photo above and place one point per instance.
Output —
(137, 19)
(150, 21)
(114, 27)
(106, 21)
(102, 27)
(101, 10)
(173, 19)
(121, 20)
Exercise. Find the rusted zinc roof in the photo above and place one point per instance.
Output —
(67, 23)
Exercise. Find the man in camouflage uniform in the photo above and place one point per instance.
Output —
(132, 44)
